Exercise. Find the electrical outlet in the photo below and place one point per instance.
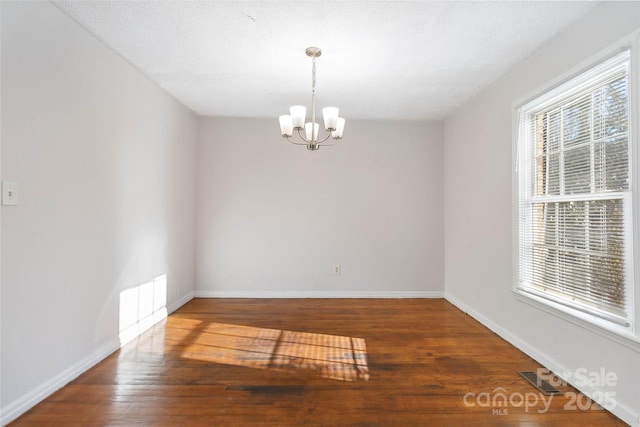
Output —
(336, 269)
(9, 193)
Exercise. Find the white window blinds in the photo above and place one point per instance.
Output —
(574, 199)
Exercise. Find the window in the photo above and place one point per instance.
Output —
(574, 237)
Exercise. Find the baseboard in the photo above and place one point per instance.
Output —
(182, 301)
(29, 400)
(623, 412)
(18, 407)
(319, 294)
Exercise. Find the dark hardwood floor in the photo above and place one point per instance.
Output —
(330, 362)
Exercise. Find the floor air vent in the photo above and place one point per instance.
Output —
(543, 386)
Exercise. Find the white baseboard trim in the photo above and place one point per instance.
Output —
(623, 412)
(319, 294)
(182, 301)
(21, 405)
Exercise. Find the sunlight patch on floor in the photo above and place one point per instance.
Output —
(329, 356)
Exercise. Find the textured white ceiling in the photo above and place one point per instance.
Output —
(381, 59)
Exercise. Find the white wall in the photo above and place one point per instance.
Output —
(478, 213)
(106, 166)
(273, 218)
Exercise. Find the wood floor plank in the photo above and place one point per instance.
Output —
(329, 362)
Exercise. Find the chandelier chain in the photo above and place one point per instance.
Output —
(313, 77)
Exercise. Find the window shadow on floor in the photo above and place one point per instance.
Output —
(329, 356)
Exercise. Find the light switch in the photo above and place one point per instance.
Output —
(9, 193)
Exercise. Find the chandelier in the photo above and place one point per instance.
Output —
(333, 124)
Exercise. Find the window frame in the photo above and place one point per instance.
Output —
(626, 334)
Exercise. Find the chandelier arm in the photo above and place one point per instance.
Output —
(302, 137)
(325, 138)
(296, 143)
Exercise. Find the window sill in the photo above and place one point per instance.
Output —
(618, 334)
